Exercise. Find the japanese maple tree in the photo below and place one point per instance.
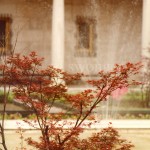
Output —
(39, 89)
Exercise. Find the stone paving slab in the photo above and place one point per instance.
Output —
(120, 124)
(140, 138)
(136, 131)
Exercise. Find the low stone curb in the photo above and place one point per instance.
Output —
(120, 124)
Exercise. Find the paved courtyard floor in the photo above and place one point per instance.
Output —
(136, 131)
(140, 138)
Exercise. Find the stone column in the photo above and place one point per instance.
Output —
(146, 27)
(58, 34)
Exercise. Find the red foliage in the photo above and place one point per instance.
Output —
(29, 79)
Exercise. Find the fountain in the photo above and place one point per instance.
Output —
(115, 38)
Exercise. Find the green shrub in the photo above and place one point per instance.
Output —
(133, 99)
(12, 116)
(9, 99)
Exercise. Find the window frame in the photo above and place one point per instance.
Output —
(7, 37)
(91, 22)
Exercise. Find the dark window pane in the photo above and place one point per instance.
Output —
(83, 35)
(2, 33)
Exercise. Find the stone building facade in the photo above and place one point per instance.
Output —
(77, 35)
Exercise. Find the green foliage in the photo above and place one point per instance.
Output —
(132, 116)
(133, 95)
(10, 97)
(12, 116)
(31, 116)
(133, 99)
(146, 80)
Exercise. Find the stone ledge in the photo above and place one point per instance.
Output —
(120, 124)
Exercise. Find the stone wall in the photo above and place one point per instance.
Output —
(118, 33)
(117, 38)
(30, 27)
